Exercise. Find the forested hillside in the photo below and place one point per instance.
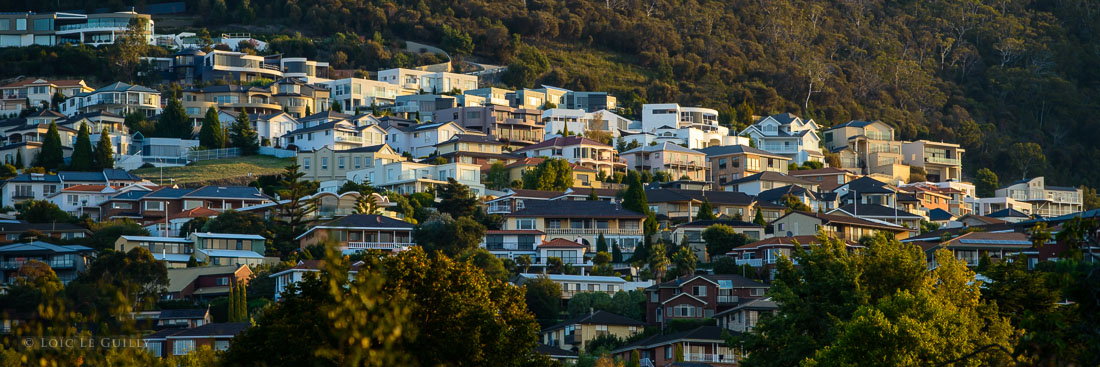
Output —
(988, 74)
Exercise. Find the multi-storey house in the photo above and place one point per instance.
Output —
(827, 179)
(421, 140)
(691, 233)
(694, 127)
(868, 147)
(797, 223)
(697, 297)
(360, 232)
(763, 255)
(422, 107)
(574, 284)
(582, 151)
(24, 136)
(118, 98)
(80, 200)
(117, 132)
(672, 206)
(228, 248)
(204, 282)
(338, 134)
(238, 98)
(37, 186)
(1045, 200)
(491, 95)
(577, 121)
(882, 214)
(299, 98)
(34, 92)
(167, 202)
(67, 261)
(732, 162)
(764, 181)
(589, 101)
(787, 135)
(580, 221)
(180, 342)
(405, 177)
(941, 161)
(428, 81)
(325, 164)
(14, 230)
(516, 127)
(702, 346)
(50, 29)
(363, 94)
(677, 161)
(175, 252)
(744, 317)
(477, 149)
(514, 243)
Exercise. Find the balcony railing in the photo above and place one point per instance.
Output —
(728, 299)
(506, 246)
(379, 245)
(780, 148)
(55, 264)
(756, 263)
(594, 231)
(942, 160)
(571, 293)
(712, 358)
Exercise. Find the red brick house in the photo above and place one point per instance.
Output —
(703, 346)
(178, 342)
(204, 281)
(699, 297)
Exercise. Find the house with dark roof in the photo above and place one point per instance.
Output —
(827, 179)
(1010, 215)
(812, 199)
(38, 186)
(731, 162)
(180, 342)
(284, 279)
(580, 221)
(17, 94)
(479, 149)
(13, 230)
(516, 127)
(513, 199)
(787, 135)
(67, 261)
(691, 233)
(763, 255)
(80, 200)
(705, 345)
(882, 214)
(515, 243)
(175, 252)
(763, 181)
(204, 282)
(678, 162)
(867, 190)
(360, 232)
(971, 247)
(574, 284)
(169, 201)
(574, 333)
(187, 318)
(118, 98)
(583, 151)
(582, 193)
(229, 249)
(797, 223)
(420, 140)
(744, 317)
(557, 354)
(672, 206)
(583, 177)
(697, 297)
(337, 134)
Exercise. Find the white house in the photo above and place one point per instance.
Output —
(575, 149)
(337, 135)
(357, 93)
(427, 81)
(695, 127)
(119, 98)
(78, 200)
(578, 122)
(420, 140)
(269, 128)
(37, 186)
(407, 177)
(787, 135)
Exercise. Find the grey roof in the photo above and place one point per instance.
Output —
(47, 113)
(318, 127)
(875, 210)
(868, 185)
(1008, 213)
(778, 193)
(327, 115)
(785, 118)
(169, 193)
(598, 318)
(21, 226)
(938, 214)
(212, 329)
(555, 352)
(76, 176)
(472, 138)
(366, 149)
(759, 304)
(132, 195)
(227, 192)
(770, 176)
(730, 223)
(39, 247)
(853, 123)
(737, 281)
(709, 332)
(123, 87)
(718, 150)
(369, 220)
(573, 208)
(714, 197)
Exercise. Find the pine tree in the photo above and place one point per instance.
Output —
(592, 196)
(192, 262)
(81, 159)
(242, 303)
(19, 159)
(173, 121)
(616, 253)
(104, 155)
(706, 212)
(50, 155)
(308, 111)
(243, 136)
(231, 307)
(759, 220)
(210, 135)
(601, 243)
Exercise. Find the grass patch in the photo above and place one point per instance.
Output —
(217, 170)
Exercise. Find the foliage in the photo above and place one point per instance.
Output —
(218, 170)
(1027, 158)
(451, 236)
(706, 211)
(211, 134)
(658, 260)
(42, 211)
(543, 298)
(233, 221)
(720, 239)
(926, 226)
(50, 155)
(985, 182)
(759, 218)
(457, 199)
(601, 243)
(685, 261)
(105, 233)
(134, 273)
(497, 178)
(173, 121)
(81, 159)
(104, 153)
(243, 136)
(554, 174)
(794, 203)
(489, 264)
(1089, 199)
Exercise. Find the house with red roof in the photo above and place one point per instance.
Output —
(569, 252)
(583, 177)
(81, 199)
(15, 96)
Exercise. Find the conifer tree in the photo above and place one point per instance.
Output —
(173, 122)
(104, 155)
(244, 136)
(50, 155)
(81, 159)
(210, 135)
(19, 159)
(601, 243)
(706, 212)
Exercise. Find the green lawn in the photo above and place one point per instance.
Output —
(232, 170)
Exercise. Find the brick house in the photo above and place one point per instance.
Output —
(698, 297)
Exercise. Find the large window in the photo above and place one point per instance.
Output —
(525, 223)
(182, 347)
(154, 205)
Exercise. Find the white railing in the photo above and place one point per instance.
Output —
(942, 160)
(706, 357)
(646, 363)
(594, 231)
(756, 263)
(378, 245)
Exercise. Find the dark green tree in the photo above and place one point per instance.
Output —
(497, 178)
(104, 153)
(81, 159)
(243, 136)
(173, 122)
(720, 239)
(50, 156)
(554, 174)
(706, 212)
(601, 243)
(210, 135)
(43, 211)
(985, 182)
(543, 298)
(457, 200)
(19, 161)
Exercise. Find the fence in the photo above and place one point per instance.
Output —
(278, 153)
(208, 154)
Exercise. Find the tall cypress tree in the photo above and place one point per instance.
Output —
(104, 154)
(244, 136)
(231, 307)
(174, 122)
(211, 136)
(81, 159)
(50, 155)
(19, 159)
(601, 243)
(242, 303)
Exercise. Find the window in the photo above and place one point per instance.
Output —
(305, 163)
(221, 344)
(356, 162)
(223, 281)
(182, 347)
(756, 292)
(324, 162)
(699, 291)
(525, 224)
(340, 162)
(668, 353)
(722, 163)
(20, 24)
(154, 205)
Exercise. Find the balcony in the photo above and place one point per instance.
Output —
(54, 264)
(711, 358)
(942, 160)
(780, 148)
(594, 231)
(756, 263)
(728, 299)
(510, 246)
(391, 246)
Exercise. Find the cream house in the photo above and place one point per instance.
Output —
(326, 164)
(580, 221)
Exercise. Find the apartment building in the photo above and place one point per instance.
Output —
(427, 81)
(34, 92)
(420, 140)
(360, 232)
(679, 162)
(252, 99)
(422, 107)
(580, 221)
(579, 150)
(67, 261)
(491, 95)
(787, 135)
(578, 121)
(362, 94)
(50, 29)
(731, 162)
(326, 164)
(1046, 200)
(516, 127)
(941, 161)
(478, 149)
(589, 101)
(118, 98)
(695, 127)
(405, 177)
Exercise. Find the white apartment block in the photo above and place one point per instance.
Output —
(987, 206)
(118, 98)
(695, 127)
(356, 93)
(1046, 201)
(941, 161)
(427, 81)
(50, 29)
(337, 135)
(578, 122)
(408, 177)
(420, 140)
(787, 135)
